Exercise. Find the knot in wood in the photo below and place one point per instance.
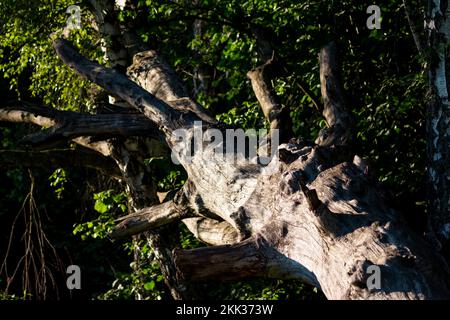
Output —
(240, 219)
(290, 183)
(286, 156)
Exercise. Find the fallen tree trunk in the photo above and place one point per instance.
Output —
(328, 233)
(312, 213)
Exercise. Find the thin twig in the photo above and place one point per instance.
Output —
(412, 27)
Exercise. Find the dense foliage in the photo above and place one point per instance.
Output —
(382, 74)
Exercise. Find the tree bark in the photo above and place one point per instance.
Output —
(438, 115)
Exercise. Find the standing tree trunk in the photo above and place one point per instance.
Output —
(438, 115)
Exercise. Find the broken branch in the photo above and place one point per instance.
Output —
(334, 110)
(278, 117)
(154, 216)
(222, 263)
